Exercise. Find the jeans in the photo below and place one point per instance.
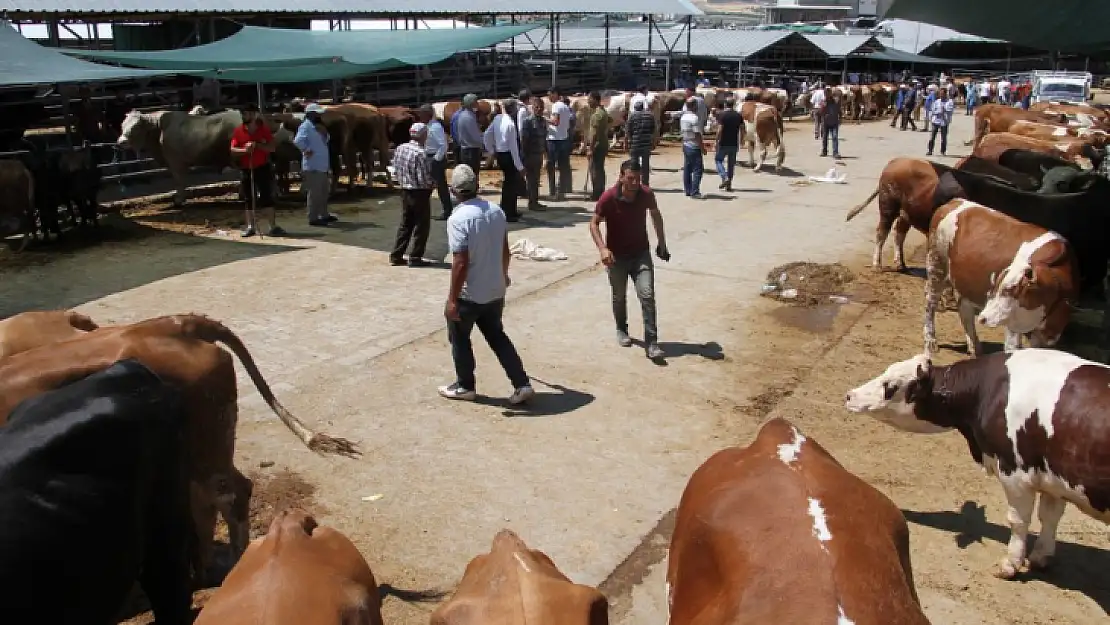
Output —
(511, 178)
(640, 269)
(316, 188)
(644, 159)
(943, 138)
(416, 223)
(726, 153)
(439, 175)
(558, 153)
(692, 168)
(533, 163)
(263, 185)
(597, 172)
(488, 319)
(834, 132)
(819, 123)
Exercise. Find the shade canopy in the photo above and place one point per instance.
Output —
(281, 55)
(26, 63)
(1064, 25)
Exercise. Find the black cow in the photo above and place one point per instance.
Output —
(1033, 163)
(94, 496)
(79, 184)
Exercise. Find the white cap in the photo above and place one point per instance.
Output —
(416, 129)
(314, 108)
(463, 179)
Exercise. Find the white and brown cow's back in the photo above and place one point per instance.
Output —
(1038, 419)
(762, 128)
(972, 247)
(513, 584)
(780, 532)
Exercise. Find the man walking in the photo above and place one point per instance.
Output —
(252, 142)
(501, 139)
(533, 142)
(830, 124)
(693, 148)
(817, 101)
(478, 237)
(414, 175)
(312, 140)
(597, 146)
(941, 116)
(436, 148)
(728, 142)
(908, 106)
(641, 137)
(558, 146)
(470, 137)
(626, 251)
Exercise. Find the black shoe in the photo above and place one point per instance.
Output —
(512, 218)
(331, 218)
(824, 154)
(396, 262)
(276, 231)
(929, 153)
(722, 185)
(417, 262)
(247, 232)
(320, 223)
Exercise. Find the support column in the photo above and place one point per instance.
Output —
(554, 27)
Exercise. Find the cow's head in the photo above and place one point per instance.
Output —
(1064, 179)
(1021, 297)
(893, 396)
(133, 126)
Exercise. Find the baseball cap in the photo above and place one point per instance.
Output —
(463, 179)
(416, 129)
(314, 108)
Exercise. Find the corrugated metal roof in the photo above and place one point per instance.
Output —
(337, 7)
(840, 46)
(721, 43)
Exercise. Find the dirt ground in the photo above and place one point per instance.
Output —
(590, 473)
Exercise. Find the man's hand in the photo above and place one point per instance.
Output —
(662, 252)
(451, 310)
(606, 257)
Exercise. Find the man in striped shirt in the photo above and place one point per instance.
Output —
(641, 136)
(414, 176)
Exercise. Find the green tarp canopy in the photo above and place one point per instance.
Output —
(895, 55)
(1064, 25)
(25, 63)
(280, 55)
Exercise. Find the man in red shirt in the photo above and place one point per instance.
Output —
(626, 251)
(252, 143)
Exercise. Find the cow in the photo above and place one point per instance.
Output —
(1081, 114)
(183, 350)
(513, 584)
(762, 127)
(79, 176)
(94, 497)
(398, 120)
(368, 133)
(773, 533)
(1081, 151)
(1022, 275)
(1033, 163)
(299, 573)
(36, 328)
(991, 118)
(17, 211)
(1035, 418)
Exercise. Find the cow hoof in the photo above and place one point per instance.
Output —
(1008, 570)
(1039, 562)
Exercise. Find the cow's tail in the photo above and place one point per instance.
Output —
(858, 209)
(212, 331)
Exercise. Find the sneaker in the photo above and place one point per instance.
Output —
(331, 218)
(623, 339)
(396, 262)
(276, 231)
(722, 185)
(454, 391)
(929, 153)
(654, 352)
(247, 232)
(521, 394)
(417, 262)
(696, 195)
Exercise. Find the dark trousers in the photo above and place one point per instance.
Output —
(509, 185)
(533, 163)
(943, 138)
(263, 185)
(597, 172)
(439, 175)
(830, 132)
(416, 222)
(641, 271)
(644, 159)
(488, 319)
(472, 157)
(558, 153)
(907, 118)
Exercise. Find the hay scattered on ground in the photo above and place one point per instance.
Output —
(803, 283)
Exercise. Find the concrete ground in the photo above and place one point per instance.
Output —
(590, 471)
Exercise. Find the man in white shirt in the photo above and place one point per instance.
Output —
(817, 105)
(693, 149)
(501, 139)
(558, 146)
(1003, 91)
(700, 109)
(435, 146)
(985, 92)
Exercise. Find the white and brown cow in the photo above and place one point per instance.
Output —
(1025, 274)
(773, 533)
(1036, 419)
(762, 128)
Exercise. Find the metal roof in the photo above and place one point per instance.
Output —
(704, 42)
(21, 9)
(839, 46)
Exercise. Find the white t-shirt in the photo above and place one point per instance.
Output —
(560, 131)
(690, 125)
(648, 100)
(817, 99)
(1004, 86)
(985, 90)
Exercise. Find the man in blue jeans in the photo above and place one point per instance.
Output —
(728, 142)
(693, 149)
(478, 235)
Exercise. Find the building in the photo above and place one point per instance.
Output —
(812, 11)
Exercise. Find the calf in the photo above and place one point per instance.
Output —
(93, 496)
(513, 584)
(762, 127)
(297, 574)
(773, 533)
(969, 245)
(32, 329)
(182, 350)
(1036, 419)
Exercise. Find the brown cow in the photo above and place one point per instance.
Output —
(1042, 130)
(36, 328)
(1083, 114)
(299, 573)
(999, 117)
(17, 211)
(780, 532)
(398, 120)
(182, 350)
(513, 585)
(762, 128)
(368, 133)
(1081, 151)
(986, 256)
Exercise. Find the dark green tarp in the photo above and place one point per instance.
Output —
(1064, 25)
(280, 55)
(25, 63)
(895, 55)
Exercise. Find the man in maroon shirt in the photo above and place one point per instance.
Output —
(626, 252)
(252, 143)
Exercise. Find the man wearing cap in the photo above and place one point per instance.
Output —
(414, 175)
(436, 149)
(478, 236)
(312, 140)
(501, 139)
(252, 142)
(641, 137)
(470, 136)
